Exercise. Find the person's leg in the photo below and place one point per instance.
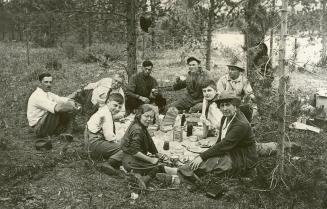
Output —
(184, 103)
(197, 107)
(47, 125)
(131, 104)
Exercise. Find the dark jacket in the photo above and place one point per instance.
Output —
(239, 143)
(140, 85)
(193, 84)
(137, 139)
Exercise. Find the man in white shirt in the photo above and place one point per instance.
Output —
(48, 113)
(96, 93)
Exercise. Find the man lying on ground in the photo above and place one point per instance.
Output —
(94, 94)
(137, 143)
(48, 113)
(211, 114)
(192, 100)
(100, 137)
(235, 149)
(143, 89)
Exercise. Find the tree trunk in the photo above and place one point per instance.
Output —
(323, 31)
(153, 19)
(211, 20)
(282, 89)
(271, 43)
(131, 37)
(89, 25)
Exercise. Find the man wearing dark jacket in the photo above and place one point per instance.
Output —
(192, 100)
(235, 149)
(143, 89)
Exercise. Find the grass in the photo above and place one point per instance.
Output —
(61, 177)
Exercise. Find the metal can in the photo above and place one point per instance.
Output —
(178, 134)
(166, 145)
(189, 130)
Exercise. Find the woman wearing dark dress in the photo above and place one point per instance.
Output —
(235, 149)
(137, 144)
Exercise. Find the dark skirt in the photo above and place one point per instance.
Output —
(131, 163)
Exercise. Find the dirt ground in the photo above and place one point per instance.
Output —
(63, 177)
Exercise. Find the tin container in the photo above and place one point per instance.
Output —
(189, 130)
(178, 134)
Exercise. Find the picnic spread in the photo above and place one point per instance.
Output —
(181, 150)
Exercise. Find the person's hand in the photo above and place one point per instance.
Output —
(154, 160)
(196, 163)
(144, 100)
(155, 92)
(255, 113)
(204, 120)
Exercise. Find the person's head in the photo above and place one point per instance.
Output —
(45, 81)
(145, 115)
(117, 81)
(228, 103)
(147, 67)
(234, 71)
(193, 64)
(114, 102)
(209, 89)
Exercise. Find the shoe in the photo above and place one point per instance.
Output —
(107, 169)
(66, 137)
(138, 179)
(164, 178)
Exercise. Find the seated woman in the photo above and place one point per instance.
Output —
(211, 114)
(235, 149)
(100, 138)
(137, 143)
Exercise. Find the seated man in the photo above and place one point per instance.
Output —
(235, 149)
(211, 114)
(95, 94)
(236, 82)
(143, 89)
(193, 84)
(100, 138)
(48, 113)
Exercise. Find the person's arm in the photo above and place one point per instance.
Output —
(131, 88)
(108, 128)
(146, 158)
(234, 135)
(179, 84)
(221, 86)
(91, 85)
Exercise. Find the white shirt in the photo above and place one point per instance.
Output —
(102, 121)
(214, 113)
(100, 90)
(225, 127)
(41, 102)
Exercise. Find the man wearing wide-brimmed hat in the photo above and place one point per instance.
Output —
(192, 99)
(235, 149)
(236, 82)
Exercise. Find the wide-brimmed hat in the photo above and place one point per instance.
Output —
(226, 96)
(236, 67)
(190, 59)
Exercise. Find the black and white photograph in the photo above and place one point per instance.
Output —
(167, 104)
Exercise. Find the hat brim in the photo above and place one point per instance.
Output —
(236, 67)
(234, 100)
(190, 59)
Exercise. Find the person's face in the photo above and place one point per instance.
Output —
(233, 73)
(193, 66)
(227, 108)
(117, 82)
(46, 84)
(147, 118)
(209, 93)
(147, 70)
(114, 107)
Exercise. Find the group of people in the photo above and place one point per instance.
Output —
(227, 106)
